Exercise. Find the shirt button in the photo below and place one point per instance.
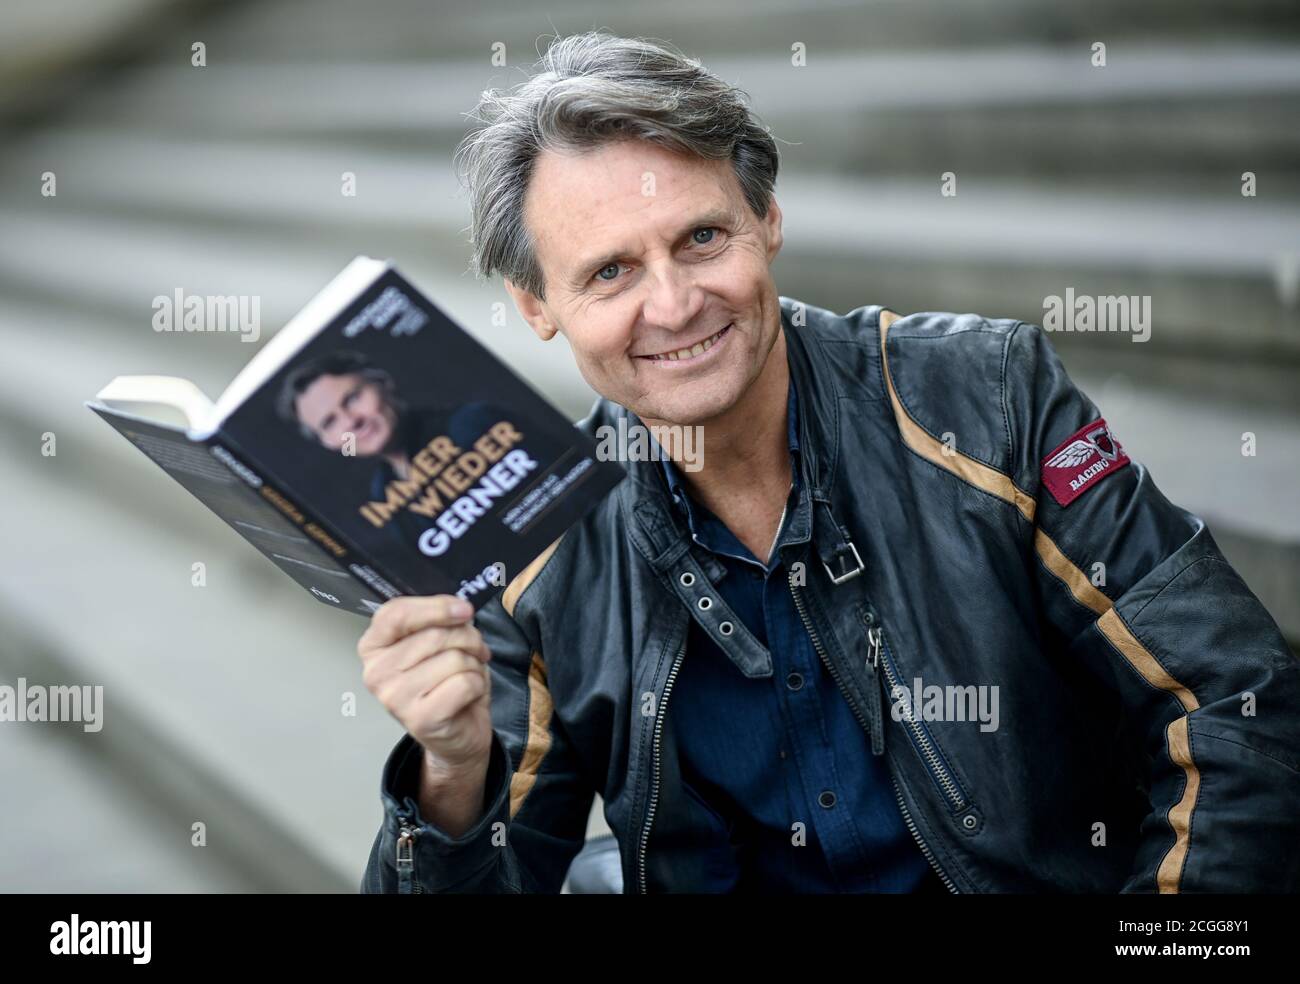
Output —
(826, 799)
(794, 681)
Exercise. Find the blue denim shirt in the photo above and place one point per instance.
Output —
(766, 754)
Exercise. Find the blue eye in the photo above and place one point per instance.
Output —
(604, 270)
(703, 242)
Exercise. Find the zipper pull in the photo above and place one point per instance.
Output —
(874, 637)
(405, 858)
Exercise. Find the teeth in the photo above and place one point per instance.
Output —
(697, 349)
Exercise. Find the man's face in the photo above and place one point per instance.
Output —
(335, 406)
(649, 256)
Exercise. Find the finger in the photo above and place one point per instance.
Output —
(382, 667)
(405, 688)
(402, 616)
(452, 696)
(416, 648)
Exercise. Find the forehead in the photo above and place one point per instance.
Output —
(327, 389)
(582, 203)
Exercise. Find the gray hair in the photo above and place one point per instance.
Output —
(588, 89)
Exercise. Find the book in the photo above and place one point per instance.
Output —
(373, 448)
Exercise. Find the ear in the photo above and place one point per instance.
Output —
(775, 237)
(533, 310)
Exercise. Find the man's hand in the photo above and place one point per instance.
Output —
(427, 663)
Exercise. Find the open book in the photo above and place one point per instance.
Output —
(373, 448)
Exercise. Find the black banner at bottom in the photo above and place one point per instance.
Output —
(598, 934)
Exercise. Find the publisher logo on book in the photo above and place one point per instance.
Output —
(233, 313)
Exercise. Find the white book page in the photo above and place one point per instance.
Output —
(179, 394)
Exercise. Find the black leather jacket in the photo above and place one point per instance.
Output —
(1149, 708)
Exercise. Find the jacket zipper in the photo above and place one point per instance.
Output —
(916, 835)
(654, 754)
(942, 776)
(663, 707)
(877, 708)
(407, 884)
(876, 644)
(821, 653)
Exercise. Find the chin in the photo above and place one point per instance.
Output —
(376, 445)
(689, 413)
(689, 402)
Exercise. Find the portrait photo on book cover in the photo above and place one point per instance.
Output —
(404, 459)
(351, 408)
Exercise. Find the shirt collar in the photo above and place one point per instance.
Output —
(683, 501)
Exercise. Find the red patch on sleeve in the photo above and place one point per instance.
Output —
(1081, 461)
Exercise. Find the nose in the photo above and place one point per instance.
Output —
(673, 300)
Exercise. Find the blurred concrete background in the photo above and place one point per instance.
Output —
(223, 704)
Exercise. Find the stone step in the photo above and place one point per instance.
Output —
(308, 29)
(120, 266)
(1138, 140)
(113, 810)
(249, 220)
(845, 102)
(228, 698)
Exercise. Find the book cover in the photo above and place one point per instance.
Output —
(382, 451)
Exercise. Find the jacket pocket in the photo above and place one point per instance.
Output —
(927, 748)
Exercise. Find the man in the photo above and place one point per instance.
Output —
(743, 660)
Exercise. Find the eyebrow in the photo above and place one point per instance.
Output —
(723, 215)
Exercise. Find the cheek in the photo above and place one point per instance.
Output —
(601, 351)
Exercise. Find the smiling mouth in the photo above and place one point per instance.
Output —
(699, 348)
